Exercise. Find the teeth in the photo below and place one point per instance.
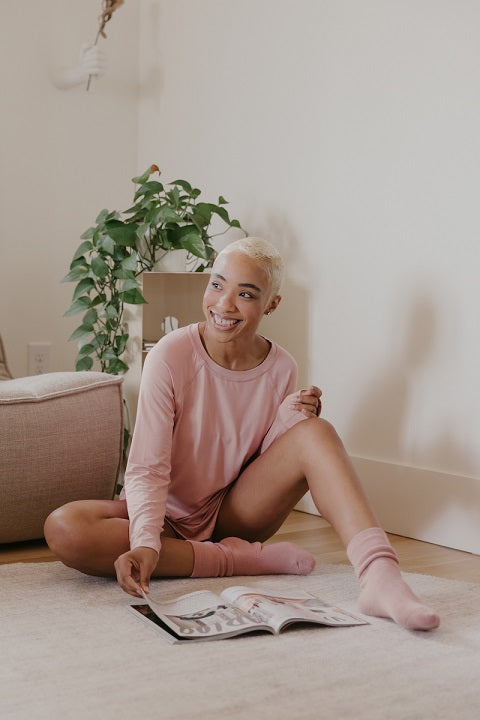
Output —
(223, 321)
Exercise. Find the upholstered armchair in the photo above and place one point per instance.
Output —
(60, 440)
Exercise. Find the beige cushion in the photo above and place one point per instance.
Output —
(60, 440)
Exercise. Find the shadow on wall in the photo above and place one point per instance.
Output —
(377, 431)
(289, 325)
(377, 427)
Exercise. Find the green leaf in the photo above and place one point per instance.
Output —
(108, 354)
(78, 306)
(122, 233)
(159, 239)
(149, 188)
(84, 363)
(195, 246)
(80, 332)
(222, 201)
(132, 210)
(99, 267)
(121, 252)
(154, 186)
(99, 341)
(140, 179)
(130, 284)
(121, 274)
(84, 286)
(79, 262)
(221, 212)
(86, 349)
(77, 273)
(88, 233)
(190, 239)
(174, 197)
(203, 214)
(97, 299)
(121, 342)
(142, 230)
(183, 184)
(106, 244)
(90, 318)
(235, 223)
(130, 262)
(115, 367)
(133, 297)
(112, 312)
(162, 215)
(102, 216)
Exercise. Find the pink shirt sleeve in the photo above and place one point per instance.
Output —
(147, 477)
(284, 420)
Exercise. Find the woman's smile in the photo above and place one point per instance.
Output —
(223, 323)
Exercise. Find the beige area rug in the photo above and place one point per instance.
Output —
(70, 649)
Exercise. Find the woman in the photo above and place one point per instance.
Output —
(223, 449)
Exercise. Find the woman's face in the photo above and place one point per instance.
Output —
(237, 296)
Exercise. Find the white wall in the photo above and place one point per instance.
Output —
(348, 132)
(64, 156)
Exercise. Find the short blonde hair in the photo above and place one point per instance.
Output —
(265, 254)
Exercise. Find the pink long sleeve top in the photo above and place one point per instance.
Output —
(197, 425)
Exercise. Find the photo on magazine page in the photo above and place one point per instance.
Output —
(214, 622)
(203, 615)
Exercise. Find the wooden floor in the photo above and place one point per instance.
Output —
(314, 534)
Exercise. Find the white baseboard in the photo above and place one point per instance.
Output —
(426, 505)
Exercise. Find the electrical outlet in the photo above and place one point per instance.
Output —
(38, 357)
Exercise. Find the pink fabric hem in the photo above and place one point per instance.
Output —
(201, 525)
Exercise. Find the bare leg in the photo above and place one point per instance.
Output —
(89, 535)
(309, 456)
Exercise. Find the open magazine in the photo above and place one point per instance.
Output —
(204, 615)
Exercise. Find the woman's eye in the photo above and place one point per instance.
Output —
(215, 285)
(246, 294)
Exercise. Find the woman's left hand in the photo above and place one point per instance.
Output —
(309, 402)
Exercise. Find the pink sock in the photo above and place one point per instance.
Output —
(384, 593)
(234, 556)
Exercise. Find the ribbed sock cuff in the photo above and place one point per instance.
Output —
(369, 545)
(211, 559)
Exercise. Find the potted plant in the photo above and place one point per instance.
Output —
(121, 246)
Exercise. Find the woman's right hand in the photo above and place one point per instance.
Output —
(134, 569)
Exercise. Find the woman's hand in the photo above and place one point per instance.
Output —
(309, 402)
(134, 569)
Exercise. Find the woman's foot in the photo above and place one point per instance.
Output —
(384, 593)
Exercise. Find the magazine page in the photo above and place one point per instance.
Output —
(203, 615)
(280, 608)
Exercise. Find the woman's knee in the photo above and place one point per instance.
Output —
(316, 430)
(65, 531)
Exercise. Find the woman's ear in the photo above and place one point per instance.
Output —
(273, 304)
